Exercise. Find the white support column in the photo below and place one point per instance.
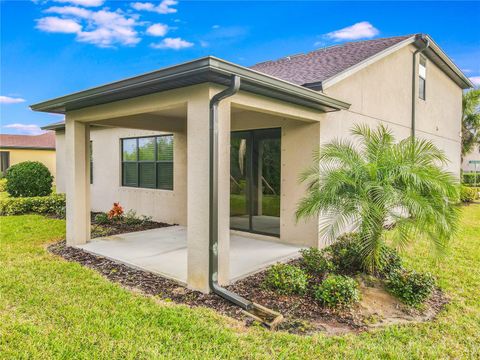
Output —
(77, 141)
(198, 156)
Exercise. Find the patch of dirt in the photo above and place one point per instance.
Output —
(378, 308)
(302, 314)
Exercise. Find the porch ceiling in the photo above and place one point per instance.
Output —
(208, 69)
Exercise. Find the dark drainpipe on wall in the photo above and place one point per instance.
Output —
(213, 225)
(414, 79)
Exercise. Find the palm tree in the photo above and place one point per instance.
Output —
(364, 186)
(470, 120)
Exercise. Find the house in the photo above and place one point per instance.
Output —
(18, 148)
(471, 161)
(218, 148)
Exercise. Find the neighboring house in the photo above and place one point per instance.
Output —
(18, 148)
(150, 137)
(470, 159)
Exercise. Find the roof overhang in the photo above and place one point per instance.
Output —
(204, 70)
(433, 52)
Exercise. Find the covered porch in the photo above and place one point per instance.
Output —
(164, 251)
(177, 101)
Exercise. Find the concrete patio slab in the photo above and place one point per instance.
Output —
(163, 251)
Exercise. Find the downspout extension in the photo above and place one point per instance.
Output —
(213, 223)
(414, 82)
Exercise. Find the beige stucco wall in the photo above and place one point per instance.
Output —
(381, 92)
(46, 157)
(162, 205)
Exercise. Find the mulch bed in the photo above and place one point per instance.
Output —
(121, 227)
(302, 314)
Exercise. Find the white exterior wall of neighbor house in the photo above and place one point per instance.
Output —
(381, 93)
(473, 155)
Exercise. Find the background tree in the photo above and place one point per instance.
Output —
(364, 187)
(470, 120)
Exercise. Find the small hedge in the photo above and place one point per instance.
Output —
(468, 194)
(411, 287)
(469, 179)
(315, 262)
(29, 178)
(3, 185)
(345, 254)
(337, 291)
(286, 279)
(52, 204)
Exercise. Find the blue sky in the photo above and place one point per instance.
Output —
(51, 48)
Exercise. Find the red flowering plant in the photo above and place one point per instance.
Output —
(116, 211)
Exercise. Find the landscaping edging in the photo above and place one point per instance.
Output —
(303, 316)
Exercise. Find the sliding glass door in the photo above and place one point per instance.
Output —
(255, 181)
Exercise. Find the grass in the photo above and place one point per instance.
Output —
(50, 308)
(270, 205)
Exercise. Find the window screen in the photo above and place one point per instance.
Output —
(147, 162)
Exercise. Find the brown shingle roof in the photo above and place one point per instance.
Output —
(322, 64)
(43, 141)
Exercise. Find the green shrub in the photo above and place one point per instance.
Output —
(286, 279)
(411, 287)
(337, 291)
(28, 179)
(3, 184)
(102, 219)
(315, 262)
(345, 254)
(467, 194)
(37, 204)
(391, 261)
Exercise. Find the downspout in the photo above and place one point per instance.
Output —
(414, 82)
(213, 222)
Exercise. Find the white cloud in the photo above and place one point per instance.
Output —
(475, 80)
(165, 7)
(110, 28)
(87, 3)
(28, 129)
(215, 26)
(361, 30)
(69, 10)
(157, 30)
(103, 28)
(10, 100)
(172, 43)
(58, 25)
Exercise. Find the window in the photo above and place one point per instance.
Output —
(422, 78)
(147, 162)
(4, 161)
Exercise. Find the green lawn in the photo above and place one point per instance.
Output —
(50, 308)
